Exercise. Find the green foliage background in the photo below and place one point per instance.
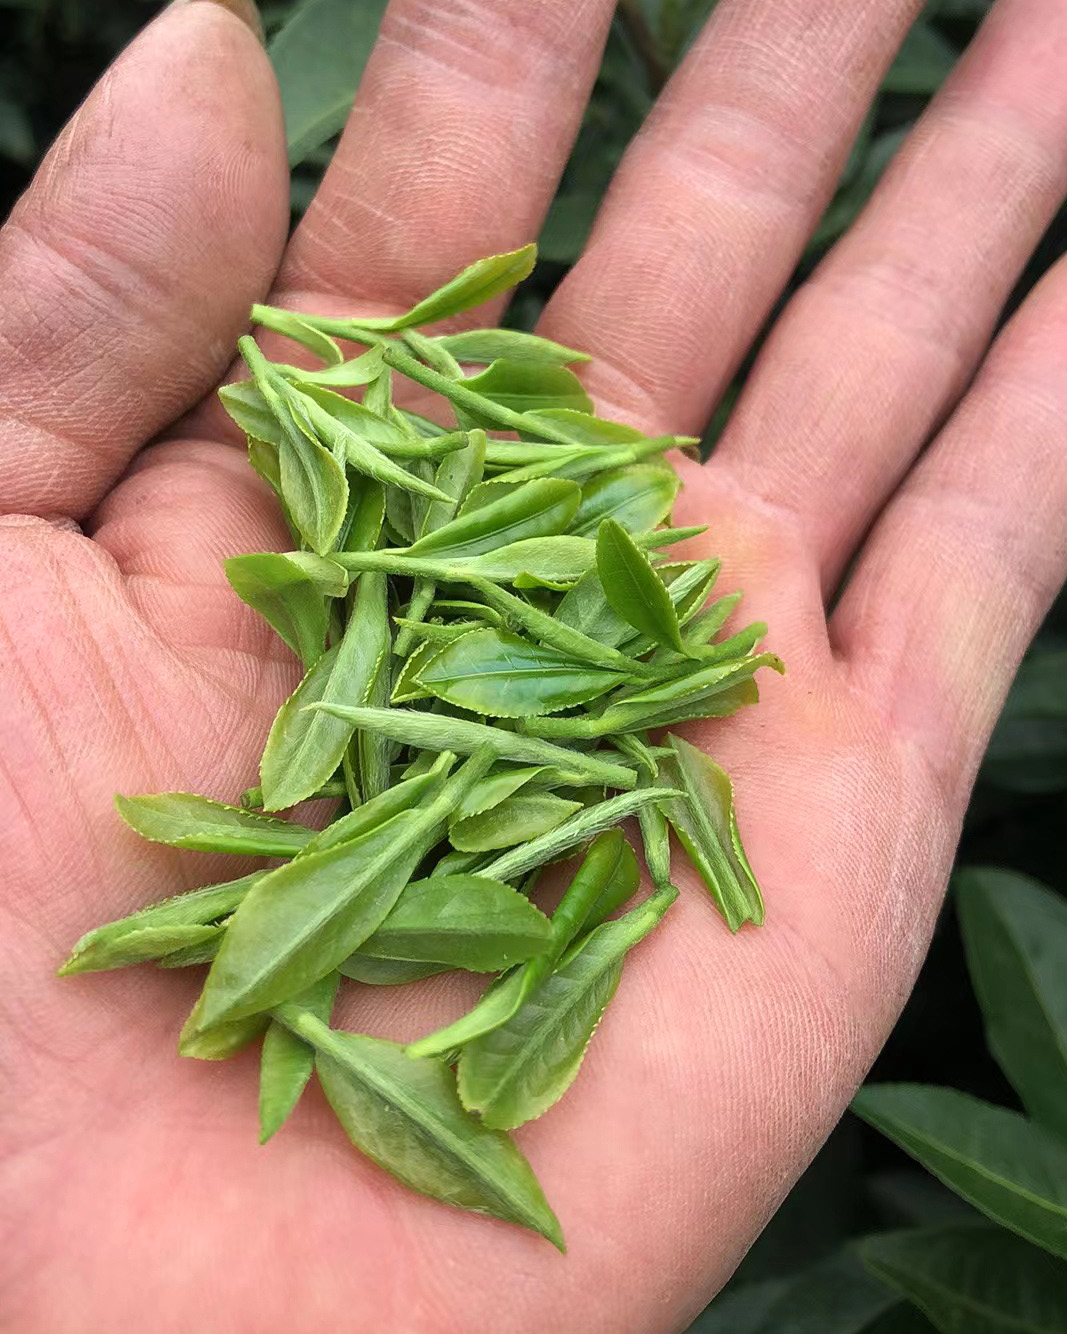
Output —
(867, 1243)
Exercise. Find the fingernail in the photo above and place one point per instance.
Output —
(246, 10)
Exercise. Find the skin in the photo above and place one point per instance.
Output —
(132, 1191)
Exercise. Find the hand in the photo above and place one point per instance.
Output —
(132, 1189)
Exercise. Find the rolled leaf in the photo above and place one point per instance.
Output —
(706, 825)
(304, 748)
(287, 1062)
(185, 820)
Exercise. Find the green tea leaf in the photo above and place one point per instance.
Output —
(304, 748)
(353, 447)
(477, 284)
(707, 692)
(552, 562)
(577, 427)
(579, 829)
(525, 386)
(1009, 1168)
(187, 821)
(218, 1042)
(706, 826)
(633, 588)
(511, 821)
(135, 945)
(388, 972)
(433, 732)
(465, 921)
(601, 877)
(408, 686)
(301, 331)
(636, 498)
(402, 796)
(499, 674)
(621, 878)
(287, 1061)
(1015, 933)
(482, 346)
(551, 633)
(971, 1279)
(105, 946)
(655, 839)
(311, 480)
(349, 374)
(304, 919)
(404, 1115)
(516, 1072)
(290, 592)
(535, 509)
(199, 952)
(494, 789)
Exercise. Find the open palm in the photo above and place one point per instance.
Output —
(132, 1191)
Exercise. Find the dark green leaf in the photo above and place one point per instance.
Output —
(1015, 932)
(518, 1070)
(1004, 1165)
(923, 62)
(405, 1115)
(318, 58)
(633, 588)
(287, 1062)
(187, 821)
(706, 825)
(466, 921)
(1028, 749)
(972, 1279)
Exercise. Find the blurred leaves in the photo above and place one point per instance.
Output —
(1028, 750)
(318, 55)
(973, 1279)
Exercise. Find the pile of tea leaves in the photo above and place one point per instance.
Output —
(495, 637)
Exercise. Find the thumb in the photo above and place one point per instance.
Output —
(129, 265)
